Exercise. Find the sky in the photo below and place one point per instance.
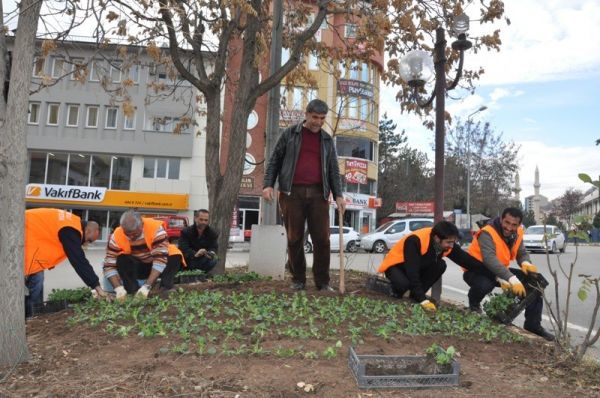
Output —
(542, 91)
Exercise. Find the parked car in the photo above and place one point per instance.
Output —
(391, 232)
(350, 239)
(534, 239)
(173, 224)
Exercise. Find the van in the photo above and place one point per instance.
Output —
(388, 234)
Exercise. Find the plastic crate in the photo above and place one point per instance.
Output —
(358, 365)
(533, 284)
(190, 279)
(49, 307)
(380, 285)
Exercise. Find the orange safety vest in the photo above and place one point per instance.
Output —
(396, 255)
(43, 249)
(150, 228)
(503, 253)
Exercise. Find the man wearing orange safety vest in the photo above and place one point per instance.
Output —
(51, 236)
(139, 249)
(415, 263)
(496, 245)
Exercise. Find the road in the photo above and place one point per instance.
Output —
(454, 289)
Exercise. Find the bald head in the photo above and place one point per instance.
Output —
(92, 231)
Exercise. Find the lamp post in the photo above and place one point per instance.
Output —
(415, 69)
(481, 109)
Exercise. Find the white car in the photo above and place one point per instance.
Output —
(534, 239)
(350, 237)
(386, 236)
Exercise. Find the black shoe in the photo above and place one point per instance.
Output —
(297, 286)
(325, 288)
(542, 333)
(475, 308)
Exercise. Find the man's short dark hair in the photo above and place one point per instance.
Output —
(513, 211)
(445, 230)
(196, 212)
(317, 106)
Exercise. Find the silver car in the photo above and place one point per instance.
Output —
(386, 236)
(534, 239)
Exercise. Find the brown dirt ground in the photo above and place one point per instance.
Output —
(88, 362)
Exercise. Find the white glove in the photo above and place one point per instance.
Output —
(121, 293)
(143, 292)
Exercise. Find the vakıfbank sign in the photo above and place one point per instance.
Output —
(65, 192)
(102, 197)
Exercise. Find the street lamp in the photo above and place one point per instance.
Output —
(416, 69)
(481, 109)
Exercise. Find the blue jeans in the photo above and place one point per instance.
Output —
(35, 285)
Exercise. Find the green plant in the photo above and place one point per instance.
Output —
(442, 357)
(191, 272)
(499, 304)
(70, 295)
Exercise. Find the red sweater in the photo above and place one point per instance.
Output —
(308, 169)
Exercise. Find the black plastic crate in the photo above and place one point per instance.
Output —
(49, 307)
(358, 365)
(534, 285)
(380, 285)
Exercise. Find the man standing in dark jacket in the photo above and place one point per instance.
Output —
(305, 163)
(198, 243)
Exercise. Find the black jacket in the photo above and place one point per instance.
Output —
(283, 161)
(190, 242)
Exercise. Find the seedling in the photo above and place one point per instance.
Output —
(442, 357)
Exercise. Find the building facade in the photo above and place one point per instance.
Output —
(111, 129)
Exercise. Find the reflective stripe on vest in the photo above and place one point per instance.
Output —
(396, 255)
(43, 249)
(503, 253)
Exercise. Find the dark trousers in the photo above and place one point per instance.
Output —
(131, 269)
(306, 204)
(481, 285)
(35, 284)
(428, 276)
(202, 263)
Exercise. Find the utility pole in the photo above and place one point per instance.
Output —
(269, 209)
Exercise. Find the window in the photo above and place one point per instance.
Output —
(37, 167)
(351, 30)
(92, 116)
(120, 173)
(129, 122)
(364, 73)
(115, 72)
(79, 169)
(72, 115)
(94, 72)
(39, 66)
(161, 168)
(414, 225)
(297, 98)
(100, 173)
(364, 109)
(57, 168)
(355, 147)
(285, 55)
(354, 70)
(367, 189)
(53, 110)
(134, 72)
(283, 92)
(352, 107)
(111, 118)
(311, 94)
(313, 61)
(78, 69)
(34, 113)
(58, 67)
(396, 228)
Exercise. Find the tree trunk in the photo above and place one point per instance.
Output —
(13, 167)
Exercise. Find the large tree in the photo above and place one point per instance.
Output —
(13, 164)
(475, 148)
(568, 203)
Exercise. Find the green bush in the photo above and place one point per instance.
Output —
(70, 295)
(499, 304)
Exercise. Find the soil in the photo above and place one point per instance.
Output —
(80, 361)
(426, 366)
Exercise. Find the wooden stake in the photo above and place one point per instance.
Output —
(341, 235)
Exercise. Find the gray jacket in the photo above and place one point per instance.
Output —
(488, 253)
(282, 164)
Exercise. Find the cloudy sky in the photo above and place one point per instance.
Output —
(542, 91)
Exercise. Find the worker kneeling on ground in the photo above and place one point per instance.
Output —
(416, 262)
(496, 245)
(139, 252)
(51, 236)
